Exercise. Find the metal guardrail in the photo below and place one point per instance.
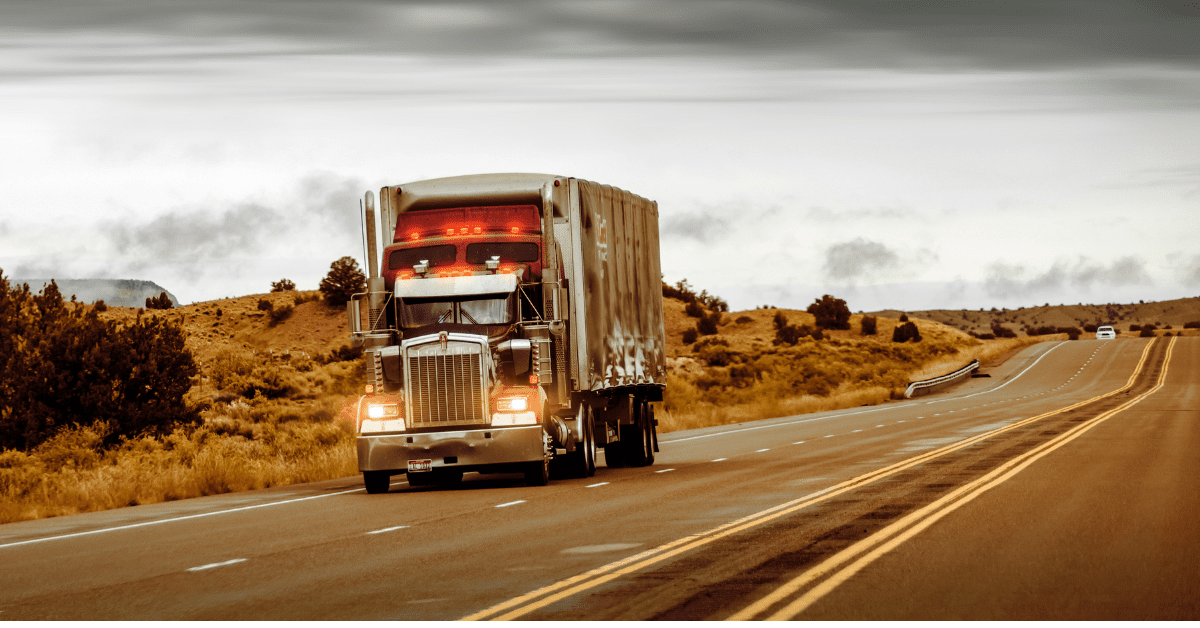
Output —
(928, 385)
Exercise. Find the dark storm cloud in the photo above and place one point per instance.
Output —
(865, 33)
(1015, 280)
(191, 237)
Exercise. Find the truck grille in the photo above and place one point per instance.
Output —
(446, 389)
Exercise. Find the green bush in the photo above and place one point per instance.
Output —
(869, 324)
(161, 302)
(694, 309)
(707, 325)
(690, 335)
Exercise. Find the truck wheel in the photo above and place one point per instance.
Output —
(538, 473)
(581, 463)
(648, 431)
(633, 437)
(376, 481)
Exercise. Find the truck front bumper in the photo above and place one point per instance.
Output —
(469, 450)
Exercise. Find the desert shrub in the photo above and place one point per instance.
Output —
(1000, 331)
(160, 302)
(715, 354)
(1166, 327)
(694, 309)
(690, 335)
(683, 291)
(305, 297)
(1147, 331)
(1090, 327)
(100, 306)
(983, 336)
(830, 312)
(869, 324)
(905, 332)
(60, 365)
(219, 312)
(1072, 333)
(787, 334)
(1044, 330)
(283, 285)
(1192, 325)
(345, 353)
(903, 318)
(278, 315)
(1135, 328)
(707, 325)
(342, 282)
(265, 305)
(742, 320)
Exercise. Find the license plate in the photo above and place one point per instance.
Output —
(420, 466)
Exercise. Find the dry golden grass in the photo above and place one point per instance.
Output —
(747, 378)
(70, 474)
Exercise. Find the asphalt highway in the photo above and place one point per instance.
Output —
(1063, 486)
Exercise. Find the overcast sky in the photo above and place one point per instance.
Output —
(909, 155)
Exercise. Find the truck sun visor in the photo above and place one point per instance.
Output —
(471, 285)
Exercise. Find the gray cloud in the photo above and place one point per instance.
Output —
(189, 238)
(863, 33)
(864, 260)
(702, 227)
(1014, 280)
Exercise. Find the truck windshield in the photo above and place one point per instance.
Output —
(492, 309)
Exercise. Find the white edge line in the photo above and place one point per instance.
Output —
(391, 529)
(215, 565)
(197, 516)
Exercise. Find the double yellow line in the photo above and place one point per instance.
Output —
(545, 596)
(873, 547)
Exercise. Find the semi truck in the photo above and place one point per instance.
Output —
(512, 323)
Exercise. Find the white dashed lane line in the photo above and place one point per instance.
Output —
(762, 450)
(664, 470)
(391, 529)
(595, 485)
(799, 442)
(720, 459)
(215, 565)
(519, 501)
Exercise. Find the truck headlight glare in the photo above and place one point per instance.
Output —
(512, 404)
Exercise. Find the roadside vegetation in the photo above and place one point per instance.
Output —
(107, 407)
(772, 362)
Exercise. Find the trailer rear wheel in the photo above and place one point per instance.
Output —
(376, 481)
(651, 443)
(633, 437)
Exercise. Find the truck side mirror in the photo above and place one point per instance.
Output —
(354, 314)
(517, 351)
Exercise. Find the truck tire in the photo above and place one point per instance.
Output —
(538, 473)
(581, 463)
(376, 481)
(648, 431)
(633, 437)
(614, 455)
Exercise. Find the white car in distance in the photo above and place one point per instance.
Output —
(1105, 332)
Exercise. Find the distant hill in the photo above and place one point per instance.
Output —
(118, 292)
(1174, 313)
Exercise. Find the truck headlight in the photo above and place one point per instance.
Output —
(382, 410)
(512, 404)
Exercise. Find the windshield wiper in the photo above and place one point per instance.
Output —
(468, 316)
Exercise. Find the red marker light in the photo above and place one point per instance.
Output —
(533, 379)
(516, 230)
(415, 235)
(462, 231)
(450, 232)
(370, 388)
(478, 230)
